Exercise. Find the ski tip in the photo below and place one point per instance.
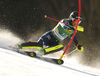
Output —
(45, 16)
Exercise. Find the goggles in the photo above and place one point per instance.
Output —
(76, 21)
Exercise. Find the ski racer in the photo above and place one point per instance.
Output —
(52, 39)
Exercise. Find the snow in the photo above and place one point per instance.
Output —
(15, 64)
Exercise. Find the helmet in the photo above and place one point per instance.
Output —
(74, 15)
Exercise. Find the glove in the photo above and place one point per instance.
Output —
(79, 47)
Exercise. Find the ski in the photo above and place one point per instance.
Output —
(33, 54)
(52, 60)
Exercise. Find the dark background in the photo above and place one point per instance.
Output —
(25, 18)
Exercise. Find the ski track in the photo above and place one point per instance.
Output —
(15, 64)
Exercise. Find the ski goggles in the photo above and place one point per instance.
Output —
(76, 18)
(76, 21)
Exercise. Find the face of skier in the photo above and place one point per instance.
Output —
(74, 22)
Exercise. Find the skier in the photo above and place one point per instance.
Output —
(52, 39)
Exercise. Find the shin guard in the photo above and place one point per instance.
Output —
(53, 49)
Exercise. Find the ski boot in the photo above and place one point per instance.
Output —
(40, 52)
(18, 46)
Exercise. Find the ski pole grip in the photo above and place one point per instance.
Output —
(45, 16)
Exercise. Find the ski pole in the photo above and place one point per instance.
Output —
(54, 19)
(79, 27)
(70, 52)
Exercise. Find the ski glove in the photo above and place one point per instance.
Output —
(79, 47)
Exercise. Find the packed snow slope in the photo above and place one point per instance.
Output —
(15, 64)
